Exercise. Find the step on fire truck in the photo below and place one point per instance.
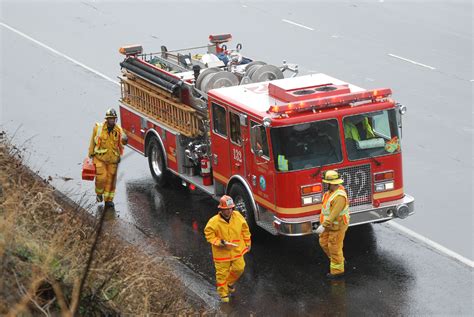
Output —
(227, 124)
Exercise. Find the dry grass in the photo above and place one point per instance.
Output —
(44, 247)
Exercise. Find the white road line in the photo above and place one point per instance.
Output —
(413, 62)
(432, 244)
(297, 24)
(393, 224)
(59, 53)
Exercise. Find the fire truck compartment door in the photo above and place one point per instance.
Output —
(221, 167)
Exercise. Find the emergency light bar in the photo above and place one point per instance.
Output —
(131, 50)
(330, 101)
(220, 38)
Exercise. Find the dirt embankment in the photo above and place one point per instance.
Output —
(46, 245)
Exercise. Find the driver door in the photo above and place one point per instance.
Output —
(261, 174)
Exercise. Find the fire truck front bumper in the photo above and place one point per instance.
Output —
(401, 209)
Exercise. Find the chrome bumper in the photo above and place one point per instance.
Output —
(401, 208)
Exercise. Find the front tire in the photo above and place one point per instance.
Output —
(243, 204)
(156, 162)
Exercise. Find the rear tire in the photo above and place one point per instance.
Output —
(156, 162)
(243, 204)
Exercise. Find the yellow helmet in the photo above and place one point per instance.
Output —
(332, 177)
(111, 113)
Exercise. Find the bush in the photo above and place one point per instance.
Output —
(45, 245)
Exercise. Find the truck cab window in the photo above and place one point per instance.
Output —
(235, 134)
(260, 137)
(371, 134)
(219, 122)
(306, 145)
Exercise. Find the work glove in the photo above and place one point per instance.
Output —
(326, 223)
(320, 230)
(124, 139)
(223, 243)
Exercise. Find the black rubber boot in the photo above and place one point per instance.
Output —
(330, 276)
(231, 289)
(109, 204)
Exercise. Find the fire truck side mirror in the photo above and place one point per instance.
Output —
(401, 111)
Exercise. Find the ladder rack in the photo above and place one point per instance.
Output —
(160, 105)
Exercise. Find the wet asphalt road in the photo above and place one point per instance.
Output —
(388, 274)
(52, 103)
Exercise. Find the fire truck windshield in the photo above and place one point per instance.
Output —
(371, 134)
(306, 145)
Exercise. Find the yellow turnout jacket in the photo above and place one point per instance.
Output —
(235, 231)
(107, 147)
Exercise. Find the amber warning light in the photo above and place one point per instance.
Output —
(305, 190)
(331, 101)
(383, 176)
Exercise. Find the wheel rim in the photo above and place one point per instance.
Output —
(155, 161)
(240, 205)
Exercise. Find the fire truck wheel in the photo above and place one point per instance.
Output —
(243, 204)
(156, 162)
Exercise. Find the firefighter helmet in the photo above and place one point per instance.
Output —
(111, 113)
(332, 177)
(226, 202)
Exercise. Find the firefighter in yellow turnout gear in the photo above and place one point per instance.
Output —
(229, 235)
(106, 148)
(334, 221)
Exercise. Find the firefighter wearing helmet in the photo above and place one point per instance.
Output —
(229, 235)
(106, 148)
(334, 221)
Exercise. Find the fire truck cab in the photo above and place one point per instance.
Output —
(264, 139)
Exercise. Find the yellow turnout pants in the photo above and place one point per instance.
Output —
(227, 273)
(105, 179)
(332, 242)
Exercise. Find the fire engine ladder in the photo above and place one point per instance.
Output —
(159, 105)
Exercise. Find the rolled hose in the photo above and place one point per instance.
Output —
(166, 82)
(154, 71)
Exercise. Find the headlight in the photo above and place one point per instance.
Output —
(312, 199)
(380, 187)
(307, 200)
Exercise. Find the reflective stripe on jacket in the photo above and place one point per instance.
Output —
(326, 206)
(107, 147)
(235, 231)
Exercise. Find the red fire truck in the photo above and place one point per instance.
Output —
(227, 124)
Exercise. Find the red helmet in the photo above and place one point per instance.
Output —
(226, 202)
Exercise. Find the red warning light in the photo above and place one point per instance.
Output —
(195, 225)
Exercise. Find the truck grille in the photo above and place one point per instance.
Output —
(358, 184)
